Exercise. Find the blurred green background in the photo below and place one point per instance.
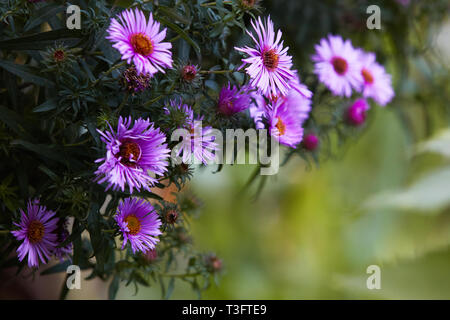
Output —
(383, 198)
(309, 235)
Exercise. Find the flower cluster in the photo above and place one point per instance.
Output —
(116, 101)
(344, 70)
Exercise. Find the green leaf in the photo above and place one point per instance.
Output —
(170, 288)
(113, 288)
(42, 15)
(173, 14)
(61, 267)
(26, 73)
(428, 194)
(41, 149)
(47, 105)
(440, 143)
(182, 33)
(41, 41)
(11, 119)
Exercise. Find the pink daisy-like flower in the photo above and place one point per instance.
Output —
(286, 117)
(233, 100)
(269, 65)
(377, 83)
(337, 65)
(37, 231)
(200, 142)
(131, 153)
(139, 224)
(140, 42)
(356, 113)
(298, 99)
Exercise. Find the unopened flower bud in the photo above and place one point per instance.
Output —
(310, 142)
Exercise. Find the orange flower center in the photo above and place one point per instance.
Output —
(130, 153)
(133, 224)
(270, 59)
(367, 75)
(280, 126)
(35, 231)
(141, 44)
(339, 65)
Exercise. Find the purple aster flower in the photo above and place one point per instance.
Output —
(140, 42)
(337, 65)
(377, 83)
(131, 153)
(298, 98)
(62, 235)
(286, 116)
(37, 231)
(139, 224)
(269, 66)
(201, 140)
(356, 113)
(233, 100)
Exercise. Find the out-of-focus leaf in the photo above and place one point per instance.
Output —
(43, 15)
(113, 288)
(43, 150)
(11, 119)
(26, 73)
(47, 105)
(41, 41)
(170, 288)
(430, 193)
(61, 267)
(438, 144)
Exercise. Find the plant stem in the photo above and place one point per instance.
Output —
(125, 99)
(114, 67)
(5, 231)
(183, 275)
(78, 143)
(109, 230)
(214, 3)
(215, 71)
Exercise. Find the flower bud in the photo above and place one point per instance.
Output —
(171, 216)
(151, 255)
(213, 263)
(134, 82)
(310, 142)
(356, 113)
(188, 73)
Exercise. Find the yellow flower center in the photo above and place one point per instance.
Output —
(141, 44)
(133, 223)
(367, 75)
(280, 126)
(270, 59)
(35, 231)
(339, 65)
